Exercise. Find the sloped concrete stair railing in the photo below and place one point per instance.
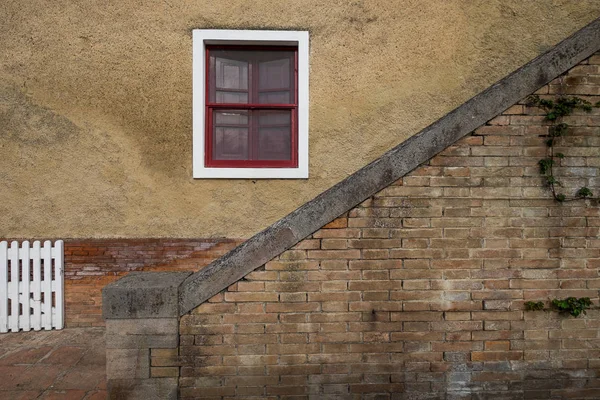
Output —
(133, 305)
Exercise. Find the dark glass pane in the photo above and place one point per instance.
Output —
(231, 97)
(271, 117)
(230, 135)
(276, 78)
(228, 78)
(275, 98)
(230, 117)
(274, 135)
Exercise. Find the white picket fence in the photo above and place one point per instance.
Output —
(31, 286)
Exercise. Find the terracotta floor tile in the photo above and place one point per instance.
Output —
(10, 375)
(63, 395)
(65, 355)
(19, 395)
(38, 377)
(97, 395)
(96, 356)
(85, 378)
(102, 384)
(25, 356)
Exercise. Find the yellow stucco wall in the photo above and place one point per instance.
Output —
(95, 101)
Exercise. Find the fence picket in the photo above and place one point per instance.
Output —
(3, 287)
(13, 287)
(25, 292)
(36, 318)
(47, 285)
(58, 278)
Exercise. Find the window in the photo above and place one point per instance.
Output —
(250, 104)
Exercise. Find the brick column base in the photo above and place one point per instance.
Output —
(142, 335)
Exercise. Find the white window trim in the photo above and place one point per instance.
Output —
(203, 37)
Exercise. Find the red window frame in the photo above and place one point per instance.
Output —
(209, 160)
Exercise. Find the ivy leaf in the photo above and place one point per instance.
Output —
(546, 103)
(534, 100)
(560, 155)
(584, 192)
(534, 305)
(545, 165)
(561, 197)
(559, 129)
(572, 305)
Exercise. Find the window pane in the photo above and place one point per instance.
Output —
(274, 98)
(274, 135)
(228, 78)
(276, 81)
(231, 97)
(230, 117)
(230, 135)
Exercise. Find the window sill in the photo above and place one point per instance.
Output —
(250, 173)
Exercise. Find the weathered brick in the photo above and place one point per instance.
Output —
(496, 355)
(333, 254)
(292, 308)
(337, 233)
(164, 372)
(334, 244)
(251, 296)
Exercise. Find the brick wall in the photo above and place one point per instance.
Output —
(418, 292)
(90, 264)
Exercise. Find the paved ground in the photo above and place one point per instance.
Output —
(66, 364)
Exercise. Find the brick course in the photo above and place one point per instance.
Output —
(418, 292)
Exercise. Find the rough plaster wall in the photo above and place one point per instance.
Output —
(95, 101)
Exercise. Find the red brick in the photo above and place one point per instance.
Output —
(496, 355)
(333, 254)
(251, 296)
(341, 222)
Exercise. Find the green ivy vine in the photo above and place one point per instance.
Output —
(570, 305)
(534, 305)
(555, 111)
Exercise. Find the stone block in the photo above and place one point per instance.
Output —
(143, 295)
(143, 389)
(142, 326)
(127, 363)
(142, 341)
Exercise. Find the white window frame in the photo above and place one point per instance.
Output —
(203, 37)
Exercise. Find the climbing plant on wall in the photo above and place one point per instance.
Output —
(555, 111)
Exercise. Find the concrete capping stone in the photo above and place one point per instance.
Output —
(143, 295)
(390, 167)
